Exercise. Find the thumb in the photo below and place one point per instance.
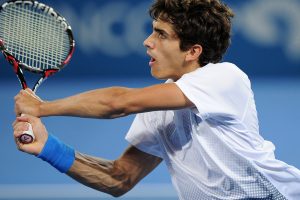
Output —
(28, 90)
(31, 93)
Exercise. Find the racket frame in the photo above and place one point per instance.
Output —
(19, 66)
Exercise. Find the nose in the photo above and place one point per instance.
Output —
(149, 42)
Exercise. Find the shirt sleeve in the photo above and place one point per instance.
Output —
(217, 91)
(143, 135)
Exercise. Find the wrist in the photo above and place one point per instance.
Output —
(41, 144)
(42, 111)
(57, 154)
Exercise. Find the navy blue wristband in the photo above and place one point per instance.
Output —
(58, 154)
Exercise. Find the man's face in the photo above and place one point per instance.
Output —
(167, 60)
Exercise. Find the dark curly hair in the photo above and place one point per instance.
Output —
(203, 22)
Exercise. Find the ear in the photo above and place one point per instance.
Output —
(194, 53)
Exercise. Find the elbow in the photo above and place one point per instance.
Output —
(113, 187)
(124, 185)
(120, 181)
(120, 189)
(119, 193)
(119, 107)
(115, 109)
(122, 103)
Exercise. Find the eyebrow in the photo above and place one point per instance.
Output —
(161, 31)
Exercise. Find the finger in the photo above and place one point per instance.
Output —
(20, 94)
(27, 118)
(31, 93)
(17, 112)
(20, 91)
(17, 134)
(22, 118)
(20, 128)
(28, 91)
(17, 105)
(14, 123)
(19, 144)
(16, 97)
(24, 92)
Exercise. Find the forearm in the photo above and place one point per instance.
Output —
(113, 177)
(100, 174)
(106, 103)
(93, 104)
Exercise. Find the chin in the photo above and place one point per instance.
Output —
(157, 76)
(160, 77)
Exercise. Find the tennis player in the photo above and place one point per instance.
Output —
(202, 122)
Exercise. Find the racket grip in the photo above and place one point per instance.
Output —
(27, 136)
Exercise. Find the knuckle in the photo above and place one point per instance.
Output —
(16, 133)
(17, 97)
(19, 148)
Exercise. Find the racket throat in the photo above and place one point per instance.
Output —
(49, 72)
(46, 74)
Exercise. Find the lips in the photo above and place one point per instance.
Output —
(152, 59)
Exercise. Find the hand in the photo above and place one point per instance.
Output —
(27, 102)
(39, 130)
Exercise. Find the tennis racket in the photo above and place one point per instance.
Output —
(35, 38)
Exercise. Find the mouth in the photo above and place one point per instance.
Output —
(152, 60)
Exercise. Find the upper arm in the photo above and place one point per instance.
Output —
(157, 97)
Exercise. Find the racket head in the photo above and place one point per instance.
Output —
(35, 35)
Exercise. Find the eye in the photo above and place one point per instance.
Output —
(161, 35)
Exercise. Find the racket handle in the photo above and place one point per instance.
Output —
(27, 136)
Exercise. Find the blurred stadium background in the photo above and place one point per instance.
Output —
(109, 51)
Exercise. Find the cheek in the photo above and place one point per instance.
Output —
(171, 55)
(177, 60)
(174, 53)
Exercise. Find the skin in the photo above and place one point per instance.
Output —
(116, 177)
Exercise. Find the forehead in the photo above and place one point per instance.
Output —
(162, 25)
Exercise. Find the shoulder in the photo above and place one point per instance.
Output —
(224, 69)
(221, 74)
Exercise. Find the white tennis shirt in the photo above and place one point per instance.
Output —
(214, 150)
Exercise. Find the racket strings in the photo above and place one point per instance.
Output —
(34, 38)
